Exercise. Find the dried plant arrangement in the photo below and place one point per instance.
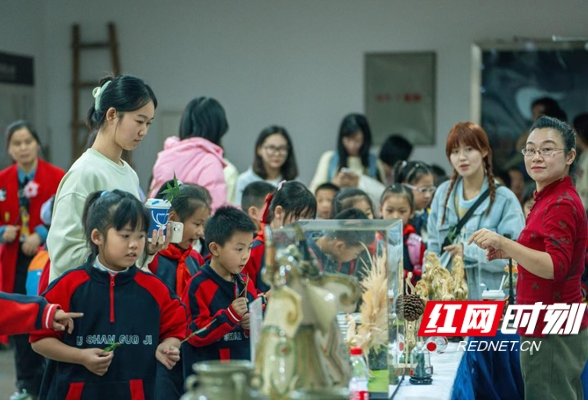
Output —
(372, 332)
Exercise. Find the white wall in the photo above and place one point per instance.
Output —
(22, 29)
(294, 63)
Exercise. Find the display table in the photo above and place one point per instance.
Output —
(493, 375)
(444, 370)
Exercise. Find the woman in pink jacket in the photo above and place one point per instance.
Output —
(196, 156)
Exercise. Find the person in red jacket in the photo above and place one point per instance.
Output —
(550, 252)
(290, 202)
(24, 187)
(23, 314)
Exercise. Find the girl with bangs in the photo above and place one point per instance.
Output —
(469, 201)
(108, 288)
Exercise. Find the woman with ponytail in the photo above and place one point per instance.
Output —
(472, 186)
(121, 114)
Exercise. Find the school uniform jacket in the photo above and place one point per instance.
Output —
(47, 176)
(166, 265)
(23, 314)
(209, 298)
(133, 308)
(256, 262)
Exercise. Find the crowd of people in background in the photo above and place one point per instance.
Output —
(133, 283)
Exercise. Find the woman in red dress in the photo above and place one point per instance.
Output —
(24, 187)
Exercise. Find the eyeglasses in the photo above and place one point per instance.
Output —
(273, 150)
(544, 152)
(426, 189)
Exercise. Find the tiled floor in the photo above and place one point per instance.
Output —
(6, 374)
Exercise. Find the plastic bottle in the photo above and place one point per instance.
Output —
(358, 385)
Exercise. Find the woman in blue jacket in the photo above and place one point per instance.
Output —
(469, 152)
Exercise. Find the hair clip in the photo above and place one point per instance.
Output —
(97, 93)
(104, 193)
(281, 184)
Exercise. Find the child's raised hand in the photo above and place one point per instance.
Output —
(168, 354)
(159, 241)
(64, 321)
(96, 360)
(240, 305)
(246, 321)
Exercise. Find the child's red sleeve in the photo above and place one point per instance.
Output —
(59, 292)
(173, 316)
(24, 314)
(197, 297)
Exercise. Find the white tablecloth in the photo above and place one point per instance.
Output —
(444, 370)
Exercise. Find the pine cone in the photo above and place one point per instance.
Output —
(409, 307)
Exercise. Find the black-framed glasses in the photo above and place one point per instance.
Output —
(423, 190)
(273, 150)
(544, 152)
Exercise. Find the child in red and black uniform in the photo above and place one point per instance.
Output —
(23, 314)
(290, 202)
(179, 262)
(397, 202)
(121, 304)
(218, 294)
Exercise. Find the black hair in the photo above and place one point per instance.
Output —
(204, 117)
(190, 199)
(289, 169)
(528, 194)
(504, 176)
(296, 200)
(20, 124)
(439, 174)
(203, 191)
(395, 148)
(568, 135)
(411, 171)
(401, 190)
(112, 209)
(581, 126)
(551, 108)
(351, 124)
(346, 199)
(327, 186)
(225, 222)
(123, 93)
(352, 238)
(255, 193)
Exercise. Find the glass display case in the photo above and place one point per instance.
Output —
(336, 281)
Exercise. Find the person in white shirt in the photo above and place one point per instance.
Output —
(352, 164)
(122, 112)
(273, 160)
